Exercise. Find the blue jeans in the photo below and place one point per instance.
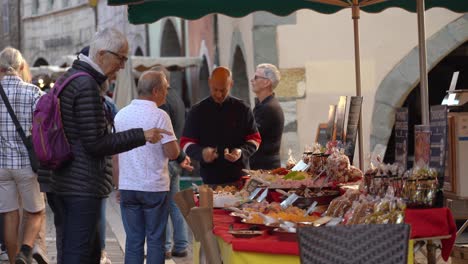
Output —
(58, 218)
(178, 229)
(146, 215)
(80, 217)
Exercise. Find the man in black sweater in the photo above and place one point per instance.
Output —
(220, 132)
(268, 116)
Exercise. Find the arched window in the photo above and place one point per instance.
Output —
(203, 76)
(40, 62)
(170, 46)
(239, 75)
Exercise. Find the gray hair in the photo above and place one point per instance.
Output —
(11, 61)
(107, 39)
(148, 81)
(271, 72)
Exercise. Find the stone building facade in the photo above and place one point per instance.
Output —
(10, 23)
(56, 28)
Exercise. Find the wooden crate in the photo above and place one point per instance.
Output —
(459, 255)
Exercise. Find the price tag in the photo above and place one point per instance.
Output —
(252, 185)
(311, 208)
(334, 221)
(289, 201)
(262, 196)
(300, 166)
(254, 193)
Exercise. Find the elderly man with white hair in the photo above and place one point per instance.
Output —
(268, 116)
(84, 181)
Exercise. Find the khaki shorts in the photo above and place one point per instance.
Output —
(23, 183)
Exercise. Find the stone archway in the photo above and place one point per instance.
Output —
(203, 76)
(401, 80)
(170, 45)
(240, 77)
(139, 52)
(40, 62)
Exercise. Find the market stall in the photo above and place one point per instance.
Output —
(259, 223)
(277, 248)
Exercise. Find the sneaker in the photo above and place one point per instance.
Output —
(3, 256)
(181, 254)
(104, 258)
(21, 258)
(39, 255)
(168, 255)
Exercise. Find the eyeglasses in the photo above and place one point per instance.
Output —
(256, 77)
(120, 57)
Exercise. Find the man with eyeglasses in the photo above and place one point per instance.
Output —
(82, 183)
(220, 132)
(268, 116)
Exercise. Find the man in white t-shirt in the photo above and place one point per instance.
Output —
(143, 177)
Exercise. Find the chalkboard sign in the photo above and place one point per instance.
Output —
(401, 137)
(352, 127)
(438, 138)
(331, 122)
(340, 119)
(321, 136)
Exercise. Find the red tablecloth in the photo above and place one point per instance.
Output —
(265, 243)
(432, 223)
(424, 223)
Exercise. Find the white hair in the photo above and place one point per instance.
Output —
(271, 72)
(11, 61)
(148, 81)
(107, 39)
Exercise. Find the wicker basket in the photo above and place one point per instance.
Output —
(459, 255)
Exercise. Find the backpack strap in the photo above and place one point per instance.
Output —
(58, 89)
(19, 129)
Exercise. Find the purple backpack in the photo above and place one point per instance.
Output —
(48, 137)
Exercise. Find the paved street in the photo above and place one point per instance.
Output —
(115, 237)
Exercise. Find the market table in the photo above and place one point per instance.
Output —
(426, 224)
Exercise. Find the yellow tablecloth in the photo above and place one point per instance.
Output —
(230, 256)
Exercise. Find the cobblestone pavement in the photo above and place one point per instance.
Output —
(115, 238)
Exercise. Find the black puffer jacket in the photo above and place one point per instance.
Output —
(86, 128)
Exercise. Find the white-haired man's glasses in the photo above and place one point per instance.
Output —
(120, 57)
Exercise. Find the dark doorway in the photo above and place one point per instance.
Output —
(203, 76)
(138, 52)
(439, 79)
(239, 75)
(40, 62)
(170, 46)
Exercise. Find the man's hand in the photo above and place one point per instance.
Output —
(209, 154)
(154, 135)
(232, 156)
(117, 196)
(186, 164)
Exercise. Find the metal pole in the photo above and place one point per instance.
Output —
(423, 62)
(357, 62)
